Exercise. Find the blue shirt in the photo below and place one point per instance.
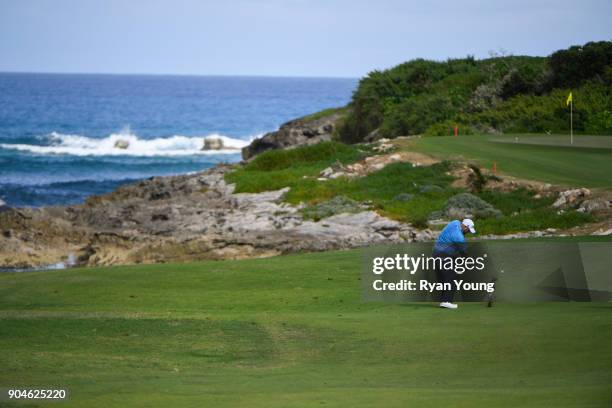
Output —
(451, 240)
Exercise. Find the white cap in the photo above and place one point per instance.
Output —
(469, 224)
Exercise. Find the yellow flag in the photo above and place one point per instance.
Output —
(569, 99)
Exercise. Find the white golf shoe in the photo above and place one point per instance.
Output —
(448, 305)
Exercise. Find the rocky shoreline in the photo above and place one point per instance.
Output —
(298, 132)
(192, 217)
(198, 216)
(182, 218)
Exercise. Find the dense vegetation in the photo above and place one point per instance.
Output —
(500, 94)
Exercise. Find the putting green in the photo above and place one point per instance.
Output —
(597, 142)
(549, 158)
(289, 331)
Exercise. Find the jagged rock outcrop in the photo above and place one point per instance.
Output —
(297, 132)
(212, 143)
(595, 205)
(572, 197)
(122, 144)
(199, 216)
(181, 218)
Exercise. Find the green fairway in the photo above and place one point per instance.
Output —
(551, 159)
(289, 331)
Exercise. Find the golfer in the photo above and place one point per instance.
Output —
(451, 243)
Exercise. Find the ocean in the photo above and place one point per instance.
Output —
(58, 131)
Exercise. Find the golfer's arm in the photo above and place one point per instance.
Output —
(460, 248)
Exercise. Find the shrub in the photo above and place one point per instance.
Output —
(382, 93)
(485, 96)
(447, 128)
(517, 81)
(575, 65)
(414, 115)
(509, 94)
(468, 205)
(477, 181)
(404, 197)
(430, 188)
(336, 205)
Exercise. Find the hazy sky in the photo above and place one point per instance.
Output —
(282, 37)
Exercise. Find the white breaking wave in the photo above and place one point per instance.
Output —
(176, 145)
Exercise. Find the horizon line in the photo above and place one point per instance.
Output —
(264, 75)
(175, 75)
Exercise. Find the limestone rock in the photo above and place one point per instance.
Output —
(383, 146)
(337, 174)
(122, 144)
(212, 143)
(603, 232)
(327, 172)
(571, 198)
(594, 205)
(183, 218)
(297, 132)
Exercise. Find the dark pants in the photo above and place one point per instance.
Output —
(446, 276)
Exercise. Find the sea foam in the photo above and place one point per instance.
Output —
(177, 145)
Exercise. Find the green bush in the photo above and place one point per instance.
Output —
(447, 128)
(573, 66)
(414, 115)
(477, 180)
(508, 94)
(522, 80)
(430, 188)
(336, 205)
(466, 204)
(404, 197)
(549, 112)
(379, 92)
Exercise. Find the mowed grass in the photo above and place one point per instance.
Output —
(289, 331)
(588, 163)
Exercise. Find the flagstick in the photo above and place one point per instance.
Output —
(571, 122)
